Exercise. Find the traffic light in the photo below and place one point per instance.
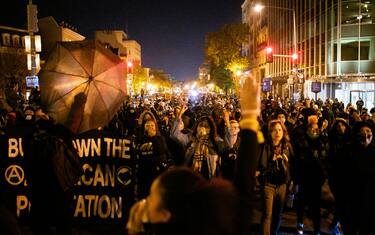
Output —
(295, 58)
(269, 55)
(130, 66)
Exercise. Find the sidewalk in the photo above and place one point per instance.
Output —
(289, 221)
(288, 227)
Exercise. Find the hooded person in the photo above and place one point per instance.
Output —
(130, 122)
(360, 180)
(29, 114)
(202, 147)
(144, 116)
(311, 156)
(152, 155)
(339, 145)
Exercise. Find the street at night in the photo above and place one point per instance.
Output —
(214, 117)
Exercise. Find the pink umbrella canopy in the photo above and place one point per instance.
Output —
(83, 67)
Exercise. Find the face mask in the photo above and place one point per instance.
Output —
(29, 117)
(202, 131)
(313, 133)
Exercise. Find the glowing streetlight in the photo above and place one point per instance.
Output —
(238, 72)
(258, 8)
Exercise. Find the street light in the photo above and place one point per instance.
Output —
(259, 7)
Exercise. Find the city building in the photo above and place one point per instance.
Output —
(331, 47)
(53, 32)
(13, 61)
(128, 50)
(117, 40)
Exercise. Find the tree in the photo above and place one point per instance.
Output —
(222, 77)
(223, 51)
(139, 77)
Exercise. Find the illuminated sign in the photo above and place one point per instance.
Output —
(316, 87)
(32, 81)
(266, 85)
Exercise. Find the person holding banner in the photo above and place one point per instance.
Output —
(182, 201)
(53, 167)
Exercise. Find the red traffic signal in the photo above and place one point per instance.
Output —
(269, 55)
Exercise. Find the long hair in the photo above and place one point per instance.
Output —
(271, 126)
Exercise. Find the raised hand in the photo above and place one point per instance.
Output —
(250, 98)
(183, 110)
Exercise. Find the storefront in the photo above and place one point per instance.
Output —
(348, 90)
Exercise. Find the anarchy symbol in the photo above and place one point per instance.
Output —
(14, 175)
(124, 175)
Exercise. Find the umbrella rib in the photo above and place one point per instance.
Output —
(103, 71)
(66, 74)
(83, 67)
(105, 105)
(110, 85)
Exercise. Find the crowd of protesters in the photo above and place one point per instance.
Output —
(303, 145)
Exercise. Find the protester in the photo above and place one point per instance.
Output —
(339, 140)
(361, 180)
(232, 143)
(53, 167)
(275, 157)
(205, 133)
(311, 156)
(152, 156)
(202, 147)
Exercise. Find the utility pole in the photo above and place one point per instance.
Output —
(32, 27)
(32, 46)
(359, 37)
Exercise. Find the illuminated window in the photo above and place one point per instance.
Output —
(16, 40)
(6, 39)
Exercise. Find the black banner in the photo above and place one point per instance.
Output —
(105, 192)
(103, 195)
(15, 193)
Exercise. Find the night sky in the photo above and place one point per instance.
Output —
(171, 33)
